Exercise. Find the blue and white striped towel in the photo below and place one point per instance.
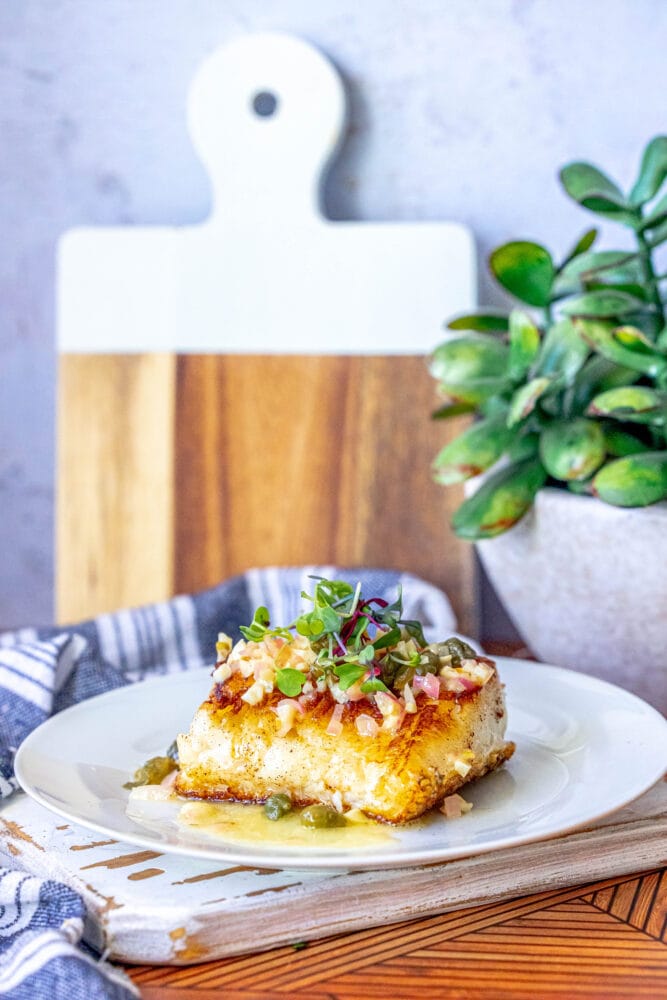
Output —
(45, 670)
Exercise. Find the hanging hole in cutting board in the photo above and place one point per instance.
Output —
(265, 104)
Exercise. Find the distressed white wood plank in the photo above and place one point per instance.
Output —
(156, 908)
(266, 273)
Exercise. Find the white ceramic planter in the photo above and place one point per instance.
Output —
(586, 586)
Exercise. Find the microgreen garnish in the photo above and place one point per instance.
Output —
(373, 684)
(353, 638)
(348, 674)
(290, 681)
(260, 629)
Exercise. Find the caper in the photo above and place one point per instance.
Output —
(152, 772)
(277, 806)
(429, 662)
(320, 816)
(404, 675)
(458, 646)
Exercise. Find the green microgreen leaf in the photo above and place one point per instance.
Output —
(414, 630)
(387, 639)
(290, 682)
(365, 655)
(349, 673)
(258, 627)
(374, 684)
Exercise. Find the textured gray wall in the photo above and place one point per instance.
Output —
(460, 110)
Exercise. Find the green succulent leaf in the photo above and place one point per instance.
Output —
(652, 171)
(620, 443)
(654, 219)
(525, 398)
(500, 502)
(625, 349)
(459, 358)
(583, 244)
(635, 481)
(563, 352)
(524, 343)
(473, 451)
(628, 287)
(583, 487)
(452, 410)
(482, 322)
(634, 340)
(524, 446)
(597, 375)
(471, 368)
(610, 265)
(476, 391)
(606, 302)
(525, 269)
(572, 449)
(595, 191)
(634, 403)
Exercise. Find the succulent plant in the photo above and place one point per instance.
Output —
(571, 391)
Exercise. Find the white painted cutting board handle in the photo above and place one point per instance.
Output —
(264, 167)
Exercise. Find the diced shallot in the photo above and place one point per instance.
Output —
(392, 710)
(354, 693)
(409, 699)
(455, 806)
(429, 684)
(335, 727)
(287, 709)
(170, 779)
(366, 725)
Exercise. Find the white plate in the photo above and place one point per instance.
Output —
(584, 748)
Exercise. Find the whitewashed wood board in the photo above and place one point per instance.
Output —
(267, 272)
(156, 908)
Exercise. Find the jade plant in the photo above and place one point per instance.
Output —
(570, 388)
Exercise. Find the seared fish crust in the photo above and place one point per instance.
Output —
(235, 750)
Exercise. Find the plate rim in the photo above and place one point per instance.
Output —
(339, 862)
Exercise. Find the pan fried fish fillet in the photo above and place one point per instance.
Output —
(394, 757)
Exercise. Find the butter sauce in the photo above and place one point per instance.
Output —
(239, 823)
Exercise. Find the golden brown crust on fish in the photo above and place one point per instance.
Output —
(236, 750)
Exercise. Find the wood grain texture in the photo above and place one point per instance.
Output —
(144, 906)
(114, 520)
(297, 460)
(560, 944)
(177, 472)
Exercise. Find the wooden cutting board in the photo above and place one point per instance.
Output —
(155, 908)
(253, 390)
